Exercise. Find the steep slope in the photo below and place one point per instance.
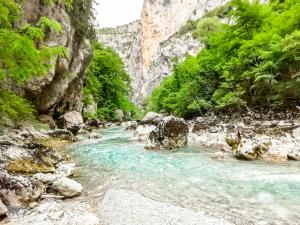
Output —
(151, 55)
(60, 90)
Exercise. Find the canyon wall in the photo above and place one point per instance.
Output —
(151, 49)
(60, 90)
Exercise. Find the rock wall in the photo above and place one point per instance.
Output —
(153, 44)
(60, 90)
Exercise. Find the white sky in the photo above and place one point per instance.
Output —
(111, 13)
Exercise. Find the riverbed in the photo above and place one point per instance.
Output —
(244, 192)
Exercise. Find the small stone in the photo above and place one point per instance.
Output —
(94, 136)
(218, 155)
(294, 156)
(33, 205)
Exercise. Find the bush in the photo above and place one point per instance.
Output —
(252, 63)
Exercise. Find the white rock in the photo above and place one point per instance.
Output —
(3, 209)
(142, 132)
(51, 212)
(66, 169)
(296, 134)
(121, 207)
(67, 187)
(218, 155)
(47, 178)
(33, 205)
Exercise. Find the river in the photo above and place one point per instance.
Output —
(244, 192)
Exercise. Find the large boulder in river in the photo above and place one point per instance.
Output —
(71, 121)
(170, 133)
(152, 118)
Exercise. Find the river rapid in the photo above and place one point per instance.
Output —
(244, 192)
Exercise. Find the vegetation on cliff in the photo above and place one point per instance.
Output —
(252, 62)
(108, 84)
(22, 56)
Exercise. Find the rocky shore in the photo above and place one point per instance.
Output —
(275, 137)
(31, 166)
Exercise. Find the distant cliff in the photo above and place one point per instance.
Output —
(150, 47)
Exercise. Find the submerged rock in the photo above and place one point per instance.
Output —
(121, 207)
(67, 187)
(71, 121)
(218, 155)
(170, 133)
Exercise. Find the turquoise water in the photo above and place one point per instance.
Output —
(242, 192)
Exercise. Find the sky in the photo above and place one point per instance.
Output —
(111, 13)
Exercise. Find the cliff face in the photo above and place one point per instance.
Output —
(156, 43)
(60, 90)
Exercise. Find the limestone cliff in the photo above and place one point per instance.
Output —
(155, 42)
(60, 90)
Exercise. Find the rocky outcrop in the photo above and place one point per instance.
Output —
(171, 133)
(19, 191)
(247, 138)
(152, 46)
(125, 207)
(29, 169)
(60, 90)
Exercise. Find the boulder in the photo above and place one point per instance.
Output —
(121, 207)
(252, 149)
(19, 191)
(3, 209)
(71, 121)
(170, 133)
(152, 118)
(67, 187)
(119, 115)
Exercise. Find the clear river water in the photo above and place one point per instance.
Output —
(244, 192)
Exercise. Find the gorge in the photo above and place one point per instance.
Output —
(189, 115)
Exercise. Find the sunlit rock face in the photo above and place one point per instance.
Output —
(149, 46)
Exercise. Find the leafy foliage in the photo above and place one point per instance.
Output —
(14, 108)
(108, 84)
(253, 62)
(22, 56)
